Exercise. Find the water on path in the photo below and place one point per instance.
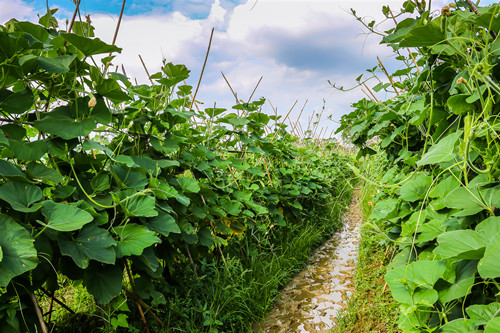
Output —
(311, 301)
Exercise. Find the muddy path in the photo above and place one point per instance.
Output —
(311, 301)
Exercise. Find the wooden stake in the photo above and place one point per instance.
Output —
(139, 307)
(281, 125)
(371, 99)
(254, 89)
(268, 174)
(118, 24)
(38, 313)
(202, 69)
(371, 92)
(390, 79)
(136, 297)
(300, 114)
(73, 18)
(146, 69)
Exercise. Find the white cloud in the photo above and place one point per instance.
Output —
(15, 9)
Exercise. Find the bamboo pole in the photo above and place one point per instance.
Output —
(281, 125)
(38, 313)
(300, 114)
(388, 76)
(203, 68)
(118, 24)
(146, 69)
(255, 89)
(371, 92)
(371, 99)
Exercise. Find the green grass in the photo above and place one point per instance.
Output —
(233, 298)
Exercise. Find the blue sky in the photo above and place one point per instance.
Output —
(296, 45)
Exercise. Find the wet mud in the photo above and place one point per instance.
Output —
(311, 301)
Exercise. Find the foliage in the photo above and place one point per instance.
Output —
(121, 186)
(441, 189)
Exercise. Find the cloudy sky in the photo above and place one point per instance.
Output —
(296, 45)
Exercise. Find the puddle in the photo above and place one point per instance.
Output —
(311, 301)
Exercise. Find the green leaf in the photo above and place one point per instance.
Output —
(493, 326)
(427, 35)
(16, 103)
(488, 266)
(104, 282)
(465, 272)
(92, 243)
(63, 217)
(481, 314)
(40, 171)
(29, 151)
(136, 204)
(458, 104)
(8, 169)
(130, 178)
(174, 73)
(232, 207)
(60, 122)
(460, 244)
(416, 188)
(443, 151)
(134, 238)
(57, 65)
(90, 46)
(21, 196)
(469, 198)
(111, 89)
(164, 224)
(410, 284)
(100, 182)
(188, 185)
(18, 252)
(461, 325)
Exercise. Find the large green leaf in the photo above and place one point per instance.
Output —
(465, 272)
(41, 172)
(57, 65)
(488, 266)
(413, 283)
(16, 103)
(21, 196)
(104, 282)
(164, 224)
(8, 169)
(470, 198)
(63, 217)
(459, 105)
(460, 244)
(60, 122)
(416, 188)
(134, 238)
(90, 46)
(188, 185)
(136, 204)
(427, 35)
(131, 178)
(111, 89)
(493, 326)
(29, 151)
(18, 252)
(443, 151)
(92, 243)
(482, 313)
(460, 325)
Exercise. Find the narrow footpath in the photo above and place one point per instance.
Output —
(311, 301)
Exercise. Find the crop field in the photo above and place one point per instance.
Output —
(134, 208)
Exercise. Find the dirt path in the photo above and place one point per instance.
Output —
(311, 301)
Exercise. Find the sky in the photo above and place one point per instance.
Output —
(297, 46)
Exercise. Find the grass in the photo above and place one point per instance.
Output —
(235, 297)
(371, 308)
